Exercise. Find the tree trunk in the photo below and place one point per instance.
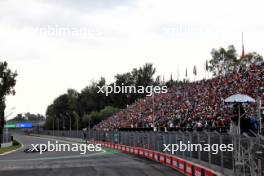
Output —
(2, 119)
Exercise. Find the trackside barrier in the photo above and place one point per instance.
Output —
(141, 151)
(150, 154)
(162, 157)
(168, 160)
(146, 153)
(123, 148)
(174, 163)
(189, 170)
(183, 166)
(136, 151)
(131, 150)
(127, 149)
(197, 171)
(226, 162)
(156, 156)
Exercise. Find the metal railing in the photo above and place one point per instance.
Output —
(249, 150)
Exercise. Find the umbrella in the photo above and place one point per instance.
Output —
(240, 98)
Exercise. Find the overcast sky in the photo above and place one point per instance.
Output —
(66, 44)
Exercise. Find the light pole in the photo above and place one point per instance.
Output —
(67, 114)
(153, 111)
(58, 124)
(77, 122)
(53, 126)
(63, 122)
(89, 123)
(70, 122)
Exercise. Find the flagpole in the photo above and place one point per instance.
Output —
(242, 39)
(178, 74)
(242, 57)
(195, 72)
(205, 70)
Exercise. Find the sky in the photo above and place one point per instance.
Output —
(56, 45)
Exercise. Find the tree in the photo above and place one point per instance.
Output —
(85, 107)
(223, 60)
(7, 84)
(95, 117)
(122, 99)
(144, 76)
(251, 58)
(27, 117)
(89, 100)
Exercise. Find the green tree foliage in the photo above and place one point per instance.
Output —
(250, 58)
(89, 107)
(89, 100)
(7, 84)
(27, 117)
(95, 117)
(61, 112)
(224, 61)
(144, 76)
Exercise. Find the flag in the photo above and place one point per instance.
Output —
(243, 52)
(206, 65)
(194, 70)
(186, 73)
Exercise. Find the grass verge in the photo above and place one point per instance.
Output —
(15, 146)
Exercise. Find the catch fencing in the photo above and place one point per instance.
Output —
(247, 157)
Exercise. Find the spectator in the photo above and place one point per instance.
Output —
(192, 106)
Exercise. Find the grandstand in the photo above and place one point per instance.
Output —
(193, 105)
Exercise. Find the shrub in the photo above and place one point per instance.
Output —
(15, 143)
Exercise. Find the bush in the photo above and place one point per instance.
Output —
(95, 117)
(15, 143)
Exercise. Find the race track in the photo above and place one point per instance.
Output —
(107, 163)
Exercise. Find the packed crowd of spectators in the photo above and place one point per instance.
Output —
(193, 105)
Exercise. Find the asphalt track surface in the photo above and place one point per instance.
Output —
(103, 163)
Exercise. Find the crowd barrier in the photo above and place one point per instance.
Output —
(246, 159)
(183, 166)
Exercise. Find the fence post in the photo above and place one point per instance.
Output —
(209, 142)
(222, 156)
(199, 141)
(184, 139)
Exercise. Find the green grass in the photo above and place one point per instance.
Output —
(111, 151)
(15, 145)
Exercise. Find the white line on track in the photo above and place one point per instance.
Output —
(51, 158)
